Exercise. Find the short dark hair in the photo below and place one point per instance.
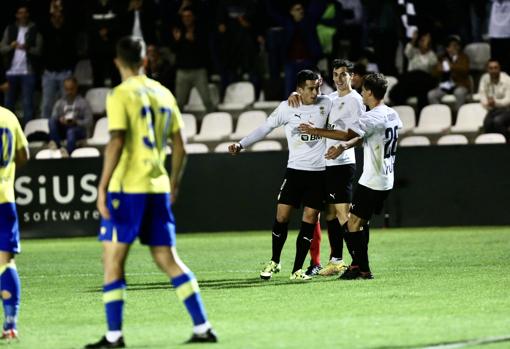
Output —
(73, 79)
(131, 51)
(453, 38)
(339, 63)
(376, 83)
(304, 75)
(359, 69)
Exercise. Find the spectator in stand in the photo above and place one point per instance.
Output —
(494, 92)
(499, 32)
(453, 69)
(302, 46)
(58, 59)
(103, 36)
(4, 85)
(418, 80)
(21, 47)
(189, 45)
(159, 68)
(71, 119)
(139, 21)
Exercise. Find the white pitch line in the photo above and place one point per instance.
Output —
(468, 343)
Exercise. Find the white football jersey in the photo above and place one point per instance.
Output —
(306, 152)
(345, 112)
(379, 129)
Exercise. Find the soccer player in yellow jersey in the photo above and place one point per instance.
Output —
(13, 152)
(134, 191)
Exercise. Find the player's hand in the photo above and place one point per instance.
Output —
(235, 148)
(101, 203)
(334, 152)
(306, 128)
(294, 100)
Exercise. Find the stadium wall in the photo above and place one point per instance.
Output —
(435, 186)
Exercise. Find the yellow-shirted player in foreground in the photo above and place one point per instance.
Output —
(13, 152)
(134, 191)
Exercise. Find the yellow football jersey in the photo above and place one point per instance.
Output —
(148, 112)
(11, 139)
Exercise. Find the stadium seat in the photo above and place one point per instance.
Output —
(434, 119)
(238, 96)
(266, 146)
(490, 138)
(247, 122)
(277, 133)
(101, 135)
(414, 141)
(97, 99)
(195, 103)
(408, 117)
(262, 103)
(86, 152)
(48, 154)
(38, 130)
(215, 127)
(83, 72)
(196, 148)
(470, 118)
(190, 126)
(478, 53)
(222, 147)
(392, 81)
(452, 140)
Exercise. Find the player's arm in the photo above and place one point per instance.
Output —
(21, 156)
(332, 134)
(336, 150)
(178, 161)
(112, 154)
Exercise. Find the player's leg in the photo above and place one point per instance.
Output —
(158, 231)
(187, 290)
(303, 242)
(10, 285)
(336, 215)
(315, 251)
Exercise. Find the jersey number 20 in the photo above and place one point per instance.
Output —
(390, 147)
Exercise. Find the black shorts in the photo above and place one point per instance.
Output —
(339, 183)
(367, 201)
(303, 187)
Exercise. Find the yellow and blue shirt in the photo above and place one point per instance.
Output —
(148, 113)
(11, 139)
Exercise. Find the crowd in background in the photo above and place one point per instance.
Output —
(190, 42)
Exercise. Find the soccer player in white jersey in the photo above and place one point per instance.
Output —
(304, 178)
(377, 129)
(346, 111)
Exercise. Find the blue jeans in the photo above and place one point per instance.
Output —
(52, 89)
(27, 85)
(72, 134)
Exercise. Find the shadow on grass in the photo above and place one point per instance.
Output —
(450, 345)
(219, 284)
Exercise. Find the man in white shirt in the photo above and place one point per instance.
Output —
(494, 93)
(378, 130)
(304, 178)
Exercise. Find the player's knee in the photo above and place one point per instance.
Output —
(282, 218)
(310, 215)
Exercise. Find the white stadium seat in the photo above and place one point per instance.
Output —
(408, 117)
(238, 95)
(48, 154)
(196, 148)
(434, 119)
(190, 125)
(452, 140)
(86, 152)
(36, 125)
(478, 53)
(414, 141)
(490, 138)
(83, 72)
(266, 146)
(392, 81)
(97, 99)
(470, 118)
(101, 135)
(195, 103)
(215, 127)
(247, 122)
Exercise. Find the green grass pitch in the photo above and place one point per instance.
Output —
(431, 285)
